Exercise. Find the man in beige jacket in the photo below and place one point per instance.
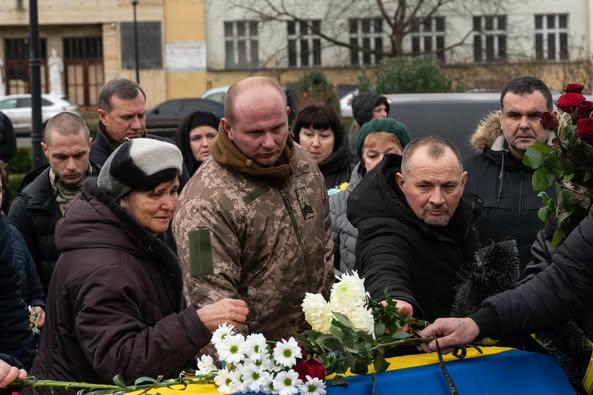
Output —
(253, 222)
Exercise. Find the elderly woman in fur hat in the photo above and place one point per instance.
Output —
(116, 302)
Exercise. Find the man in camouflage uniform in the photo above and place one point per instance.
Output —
(253, 222)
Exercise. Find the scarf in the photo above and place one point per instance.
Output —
(64, 193)
(226, 153)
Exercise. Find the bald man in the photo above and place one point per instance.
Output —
(253, 222)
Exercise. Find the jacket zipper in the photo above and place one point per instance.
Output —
(296, 231)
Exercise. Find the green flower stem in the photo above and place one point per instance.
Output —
(33, 382)
(404, 342)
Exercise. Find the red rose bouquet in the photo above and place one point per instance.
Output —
(568, 163)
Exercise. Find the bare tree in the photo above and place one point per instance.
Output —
(400, 17)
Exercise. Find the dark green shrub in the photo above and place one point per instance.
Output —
(313, 87)
(14, 181)
(21, 163)
(421, 74)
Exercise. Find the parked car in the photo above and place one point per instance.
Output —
(164, 118)
(454, 116)
(216, 94)
(18, 109)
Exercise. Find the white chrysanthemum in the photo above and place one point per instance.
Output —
(221, 332)
(255, 379)
(238, 383)
(206, 365)
(313, 386)
(349, 291)
(254, 347)
(318, 312)
(224, 381)
(229, 349)
(361, 317)
(286, 383)
(286, 352)
(265, 363)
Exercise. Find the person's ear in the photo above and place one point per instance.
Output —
(45, 150)
(463, 180)
(399, 180)
(227, 128)
(102, 116)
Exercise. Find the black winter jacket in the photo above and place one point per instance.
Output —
(561, 291)
(115, 303)
(337, 168)
(415, 262)
(35, 213)
(16, 339)
(503, 182)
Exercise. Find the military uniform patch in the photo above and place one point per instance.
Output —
(306, 208)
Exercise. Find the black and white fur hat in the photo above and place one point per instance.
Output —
(139, 165)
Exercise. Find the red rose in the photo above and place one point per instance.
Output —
(585, 129)
(584, 110)
(549, 121)
(310, 367)
(569, 101)
(574, 88)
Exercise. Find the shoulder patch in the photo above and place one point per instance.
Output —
(200, 253)
(305, 204)
(302, 169)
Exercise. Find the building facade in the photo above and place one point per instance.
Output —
(188, 46)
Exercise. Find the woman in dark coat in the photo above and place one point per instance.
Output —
(319, 130)
(116, 301)
(193, 137)
(19, 288)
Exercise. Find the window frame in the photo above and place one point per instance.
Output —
(244, 41)
(550, 38)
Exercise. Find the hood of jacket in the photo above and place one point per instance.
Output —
(378, 195)
(487, 133)
(363, 104)
(341, 158)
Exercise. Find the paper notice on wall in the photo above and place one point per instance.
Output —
(185, 55)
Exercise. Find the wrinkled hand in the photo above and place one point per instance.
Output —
(451, 333)
(10, 373)
(231, 311)
(41, 314)
(404, 307)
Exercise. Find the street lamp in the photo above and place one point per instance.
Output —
(134, 4)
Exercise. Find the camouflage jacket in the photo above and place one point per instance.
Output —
(241, 237)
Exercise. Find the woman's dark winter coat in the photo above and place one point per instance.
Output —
(396, 251)
(115, 300)
(337, 168)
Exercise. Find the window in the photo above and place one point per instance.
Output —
(241, 44)
(490, 38)
(551, 37)
(366, 33)
(304, 43)
(429, 36)
(150, 54)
